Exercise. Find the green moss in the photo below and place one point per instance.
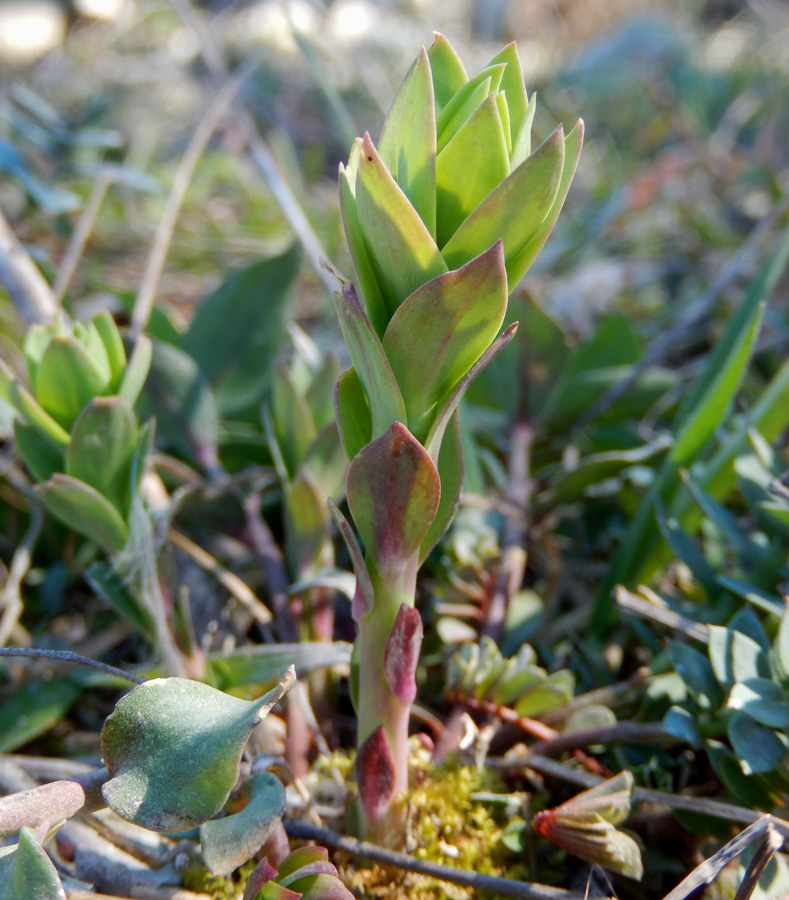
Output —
(197, 878)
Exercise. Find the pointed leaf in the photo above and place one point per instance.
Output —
(28, 407)
(469, 167)
(451, 471)
(393, 492)
(436, 435)
(108, 583)
(352, 411)
(408, 141)
(113, 346)
(26, 872)
(32, 709)
(369, 362)
(404, 254)
(173, 748)
(228, 843)
(103, 441)
(68, 378)
(137, 369)
(460, 108)
(364, 595)
(375, 774)
(519, 262)
(449, 76)
(401, 653)
(513, 87)
(83, 508)
(513, 211)
(521, 144)
(369, 285)
(455, 318)
(291, 420)
(319, 394)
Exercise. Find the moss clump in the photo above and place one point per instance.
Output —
(198, 879)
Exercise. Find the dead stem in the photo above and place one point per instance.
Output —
(27, 287)
(501, 886)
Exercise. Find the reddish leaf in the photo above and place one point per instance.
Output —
(401, 654)
(375, 774)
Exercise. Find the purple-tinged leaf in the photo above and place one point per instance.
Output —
(260, 875)
(322, 887)
(401, 654)
(303, 856)
(451, 471)
(434, 439)
(375, 774)
(404, 254)
(319, 867)
(393, 493)
(364, 595)
(442, 329)
(369, 361)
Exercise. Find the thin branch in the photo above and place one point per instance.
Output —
(68, 656)
(647, 609)
(512, 564)
(261, 155)
(709, 870)
(85, 225)
(620, 733)
(274, 566)
(11, 596)
(27, 287)
(501, 886)
(143, 305)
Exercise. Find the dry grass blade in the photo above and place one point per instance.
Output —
(11, 596)
(27, 287)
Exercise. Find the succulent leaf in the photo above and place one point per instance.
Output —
(68, 378)
(447, 70)
(352, 410)
(83, 508)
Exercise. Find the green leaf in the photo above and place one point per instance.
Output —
(568, 485)
(440, 422)
(447, 70)
(369, 363)
(291, 421)
(462, 105)
(757, 748)
(763, 700)
(555, 690)
(137, 370)
(735, 656)
(408, 141)
(450, 472)
(754, 595)
(519, 263)
(306, 527)
(39, 455)
(354, 419)
(781, 646)
(173, 748)
(228, 843)
(179, 397)
(698, 674)
(393, 493)
(364, 594)
(441, 331)
(103, 441)
(108, 583)
(26, 872)
(713, 393)
(30, 410)
(403, 253)
(262, 664)
(513, 87)
(68, 378)
(679, 723)
(238, 331)
(684, 547)
(319, 394)
(83, 508)
(754, 791)
(326, 463)
(470, 167)
(113, 346)
(513, 211)
(32, 709)
(369, 285)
